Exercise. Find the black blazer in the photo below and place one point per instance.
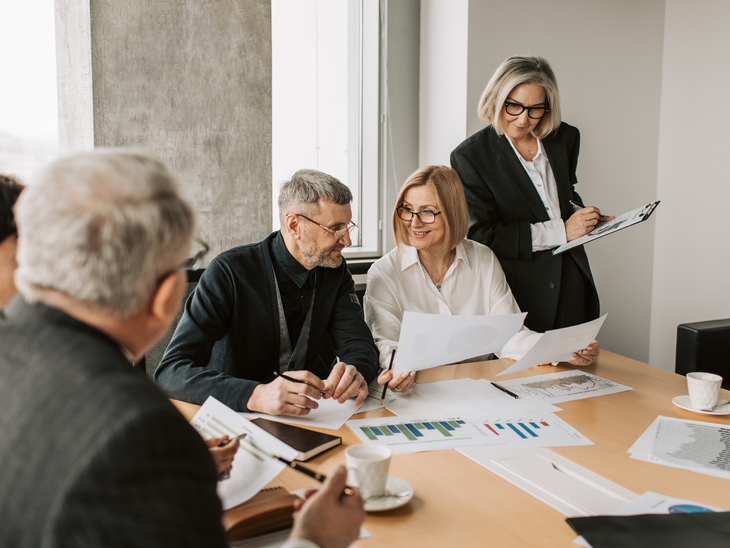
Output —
(503, 203)
(92, 452)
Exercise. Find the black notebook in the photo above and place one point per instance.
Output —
(308, 442)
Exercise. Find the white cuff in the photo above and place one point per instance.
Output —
(548, 235)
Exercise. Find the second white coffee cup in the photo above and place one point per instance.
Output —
(367, 469)
(704, 390)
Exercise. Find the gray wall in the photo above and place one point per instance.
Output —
(691, 254)
(190, 81)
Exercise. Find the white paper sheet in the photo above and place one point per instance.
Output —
(563, 386)
(373, 399)
(329, 414)
(690, 445)
(411, 403)
(430, 340)
(654, 503)
(544, 430)
(556, 481)
(479, 398)
(411, 434)
(558, 345)
(249, 474)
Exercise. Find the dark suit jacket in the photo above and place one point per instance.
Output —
(227, 341)
(91, 452)
(503, 203)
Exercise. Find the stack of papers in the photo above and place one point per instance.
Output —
(250, 473)
(330, 414)
(691, 445)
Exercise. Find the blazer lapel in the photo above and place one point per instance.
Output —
(559, 163)
(508, 162)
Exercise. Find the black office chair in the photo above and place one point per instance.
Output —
(704, 346)
(153, 357)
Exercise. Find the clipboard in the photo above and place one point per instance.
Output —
(625, 220)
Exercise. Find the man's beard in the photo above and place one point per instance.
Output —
(319, 257)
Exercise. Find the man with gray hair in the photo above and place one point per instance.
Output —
(252, 331)
(92, 453)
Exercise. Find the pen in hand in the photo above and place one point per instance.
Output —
(291, 379)
(601, 215)
(385, 387)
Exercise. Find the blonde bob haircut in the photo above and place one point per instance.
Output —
(512, 73)
(450, 201)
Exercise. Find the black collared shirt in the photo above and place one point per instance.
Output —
(296, 285)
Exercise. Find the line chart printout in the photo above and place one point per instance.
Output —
(546, 430)
(432, 432)
(564, 386)
(692, 445)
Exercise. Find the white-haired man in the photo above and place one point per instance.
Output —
(252, 331)
(92, 453)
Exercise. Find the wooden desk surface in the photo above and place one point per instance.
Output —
(457, 502)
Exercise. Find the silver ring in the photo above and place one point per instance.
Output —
(396, 389)
(591, 358)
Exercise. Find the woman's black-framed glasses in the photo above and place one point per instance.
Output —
(515, 109)
(426, 216)
(337, 234)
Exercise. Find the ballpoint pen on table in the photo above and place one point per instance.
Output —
(503, 389)
(290, 463)
(385, 387)
(292, 379)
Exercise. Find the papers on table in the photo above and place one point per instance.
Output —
(654, 503)
(558, 345)
(555, 480)
(691, 445)
(547, 430)
(373, 399)
(249, 474)
(564, 386)
(429, 340)
(411, 434)
(329, 414)
(479, 398)
(619, 223)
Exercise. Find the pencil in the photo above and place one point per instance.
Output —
(239, 437)
(290, 379)
(392, 355)
(311, 473)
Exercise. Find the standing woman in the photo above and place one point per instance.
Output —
(519, 177)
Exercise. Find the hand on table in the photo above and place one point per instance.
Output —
(223, 456)
(345, 382)
(328, 517)
(587, 355)
(284, 397)
(583, 221)
(402, 382)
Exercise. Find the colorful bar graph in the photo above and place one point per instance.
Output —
(522, 425)
(513, 427)
(406, 432)
(414, 430)
(446, 425)
(369, 433)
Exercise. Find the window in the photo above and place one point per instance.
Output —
(28, 95)
(325, 66)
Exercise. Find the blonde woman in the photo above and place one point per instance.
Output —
(519, 179)
(434, 269)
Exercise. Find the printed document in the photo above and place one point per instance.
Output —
(563, 386)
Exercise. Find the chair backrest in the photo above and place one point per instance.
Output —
(704, 346)
(153, 357)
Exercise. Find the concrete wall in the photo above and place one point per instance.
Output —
(607, 57)
(190, 81)
(691, 254)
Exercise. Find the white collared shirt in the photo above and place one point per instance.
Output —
(474, 285)
(548, 234)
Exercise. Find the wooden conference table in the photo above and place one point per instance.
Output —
(457, 502)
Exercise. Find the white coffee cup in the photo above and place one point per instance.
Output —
(367, 469)
(704, 390)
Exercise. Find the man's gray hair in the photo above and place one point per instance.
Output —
(306, 188)
(101, 227)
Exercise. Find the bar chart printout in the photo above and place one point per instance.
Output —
(564, 386)
(410, 434)
(545, 431)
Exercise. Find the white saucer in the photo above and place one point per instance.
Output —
(722, 407)
(402, 493)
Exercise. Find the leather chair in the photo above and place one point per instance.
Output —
(704, 346)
